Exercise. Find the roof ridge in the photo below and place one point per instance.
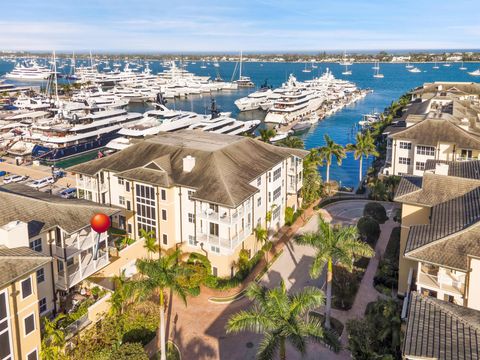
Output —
(222, 176)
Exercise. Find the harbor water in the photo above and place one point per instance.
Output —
(340, 126)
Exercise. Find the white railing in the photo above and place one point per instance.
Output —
(442, 282)
(224, 243)
(77, 274)
(221, 216)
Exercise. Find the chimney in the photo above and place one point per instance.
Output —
(440, 87)
(441, 169)
(188, 163)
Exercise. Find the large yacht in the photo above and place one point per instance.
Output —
(254, 100)
(29, 71)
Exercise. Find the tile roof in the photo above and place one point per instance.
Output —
(464, 169)
(42, 211)
(440, 330)
(224, 164)
(18, 262)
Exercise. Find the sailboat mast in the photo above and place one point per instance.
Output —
(241, 58)
(55, 75)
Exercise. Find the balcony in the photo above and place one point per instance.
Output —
(77, 243)
(225, 244)
(221, 216)
(443, 282)
(76, 273)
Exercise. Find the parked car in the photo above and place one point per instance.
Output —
(38, 184)
(14, 179)
(69, 193)
(59, 174)
(3, 173)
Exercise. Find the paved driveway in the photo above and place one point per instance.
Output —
(199, 329)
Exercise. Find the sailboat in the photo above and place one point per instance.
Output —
(377, 74)
(243, 81)
(203, 66)
(436, 66)
(306, 70)
(345, 61)
(409, 66)
(376, 65)
(447, 64)
(462, 67)
(347, 71)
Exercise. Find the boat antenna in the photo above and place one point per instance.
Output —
(55, 75)
(213, 109)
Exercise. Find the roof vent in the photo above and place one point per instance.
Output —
(441, 169)
(188, 163)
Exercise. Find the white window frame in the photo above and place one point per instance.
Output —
(46, 306)
(259, 201)
(34, 350)
(34, 324)
(31, 286)
(36, 275)
(8, 329)
(121, 200)
(34, 247)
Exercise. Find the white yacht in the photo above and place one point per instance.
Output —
(377, 73)
(29, 71)
(254, 100)
(415, 70)
(243, 81)
(474, 73)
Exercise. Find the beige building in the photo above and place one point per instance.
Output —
(440, 246)
(441, 123)
(203, 190)
(59, 228)
(20, 303)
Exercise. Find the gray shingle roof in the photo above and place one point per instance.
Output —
(18, 262)
(42, 211)
(440, 330)
(224, 164)
(407, 185)
(464, 169)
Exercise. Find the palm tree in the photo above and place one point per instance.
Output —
(364, 147)
(378, 190)
(53, 340)
(292, 142)
(281, 317)
(161, 274)
(261, 234)
(329, 150)
(267, 134)
(151, 244)
(337, 245)
(123, 295)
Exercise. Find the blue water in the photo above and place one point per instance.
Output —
(339, 126)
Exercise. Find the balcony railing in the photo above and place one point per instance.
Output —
(221, 216)
(77, 273)
(442, 282)
(224, 243)
(76, 244)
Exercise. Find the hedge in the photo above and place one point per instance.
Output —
(376, 211)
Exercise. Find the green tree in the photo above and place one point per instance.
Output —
(261, 234)
(53, 340)
(328, 151)
(292, 142)
(161, 274)
(378, 190)
(312, 187)
(129, 351)
(267, 134)
(122, 296)
(281, 317)
(151, 244)
(364, 147)
(333, 244)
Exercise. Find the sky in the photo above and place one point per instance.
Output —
(250, 25)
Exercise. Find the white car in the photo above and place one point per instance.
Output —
(14, 179)
(38, 184)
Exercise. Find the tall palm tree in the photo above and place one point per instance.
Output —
(151, 244)
(281, 317)
(122, 296)
(261, 234)
(364, 147)
(267, 134)
(161, 274)
(328, 151)
(333, 245)
(292, 142)
(53, 340)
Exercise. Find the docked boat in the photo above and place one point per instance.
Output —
(242, 81)
(281, 136)
(415, 70)
(302, 127)
(29, 71)
(254, 100)
(474, 73)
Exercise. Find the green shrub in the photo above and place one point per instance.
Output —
(129, 351)
(369, 230)
(386, 277)
(345, 286)
(376, 211)
(196, 258)
(289, 214)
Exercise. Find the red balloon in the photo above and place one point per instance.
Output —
(100, 223)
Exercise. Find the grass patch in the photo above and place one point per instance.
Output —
(345, 286)
(386, 277)
(337, 326)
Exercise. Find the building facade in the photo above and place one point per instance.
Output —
(207, 192)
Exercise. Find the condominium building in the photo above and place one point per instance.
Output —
(441, 123)
(203, 190)
(59, 228)
(440, 232)
(20, 303)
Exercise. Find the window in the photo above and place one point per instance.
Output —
(214, 271)
(404, 161)
(191, 218)
(191, 240)
(190, 193)
(214, 207)
(146, 209)
(277, 192)
(129, 205)
(36, 245)
(259, 181)
(27, 288)
(214, 229)
(269, 176)
(29, 323)
(405, 145)
(42, 305)
(40, 276)
(425, 150)
(127, 186)
(32, 355)
(121, 200)
(163, 194)
(276, 212)
(259, 201)
(215, 249)
(269, 196)
(129, 227)
(466, 154)
(165, 239)
(121, 181)
(277, 173)
(164, 214)
(419, 165)
(5, 350)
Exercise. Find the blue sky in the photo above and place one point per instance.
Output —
(251, 25)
